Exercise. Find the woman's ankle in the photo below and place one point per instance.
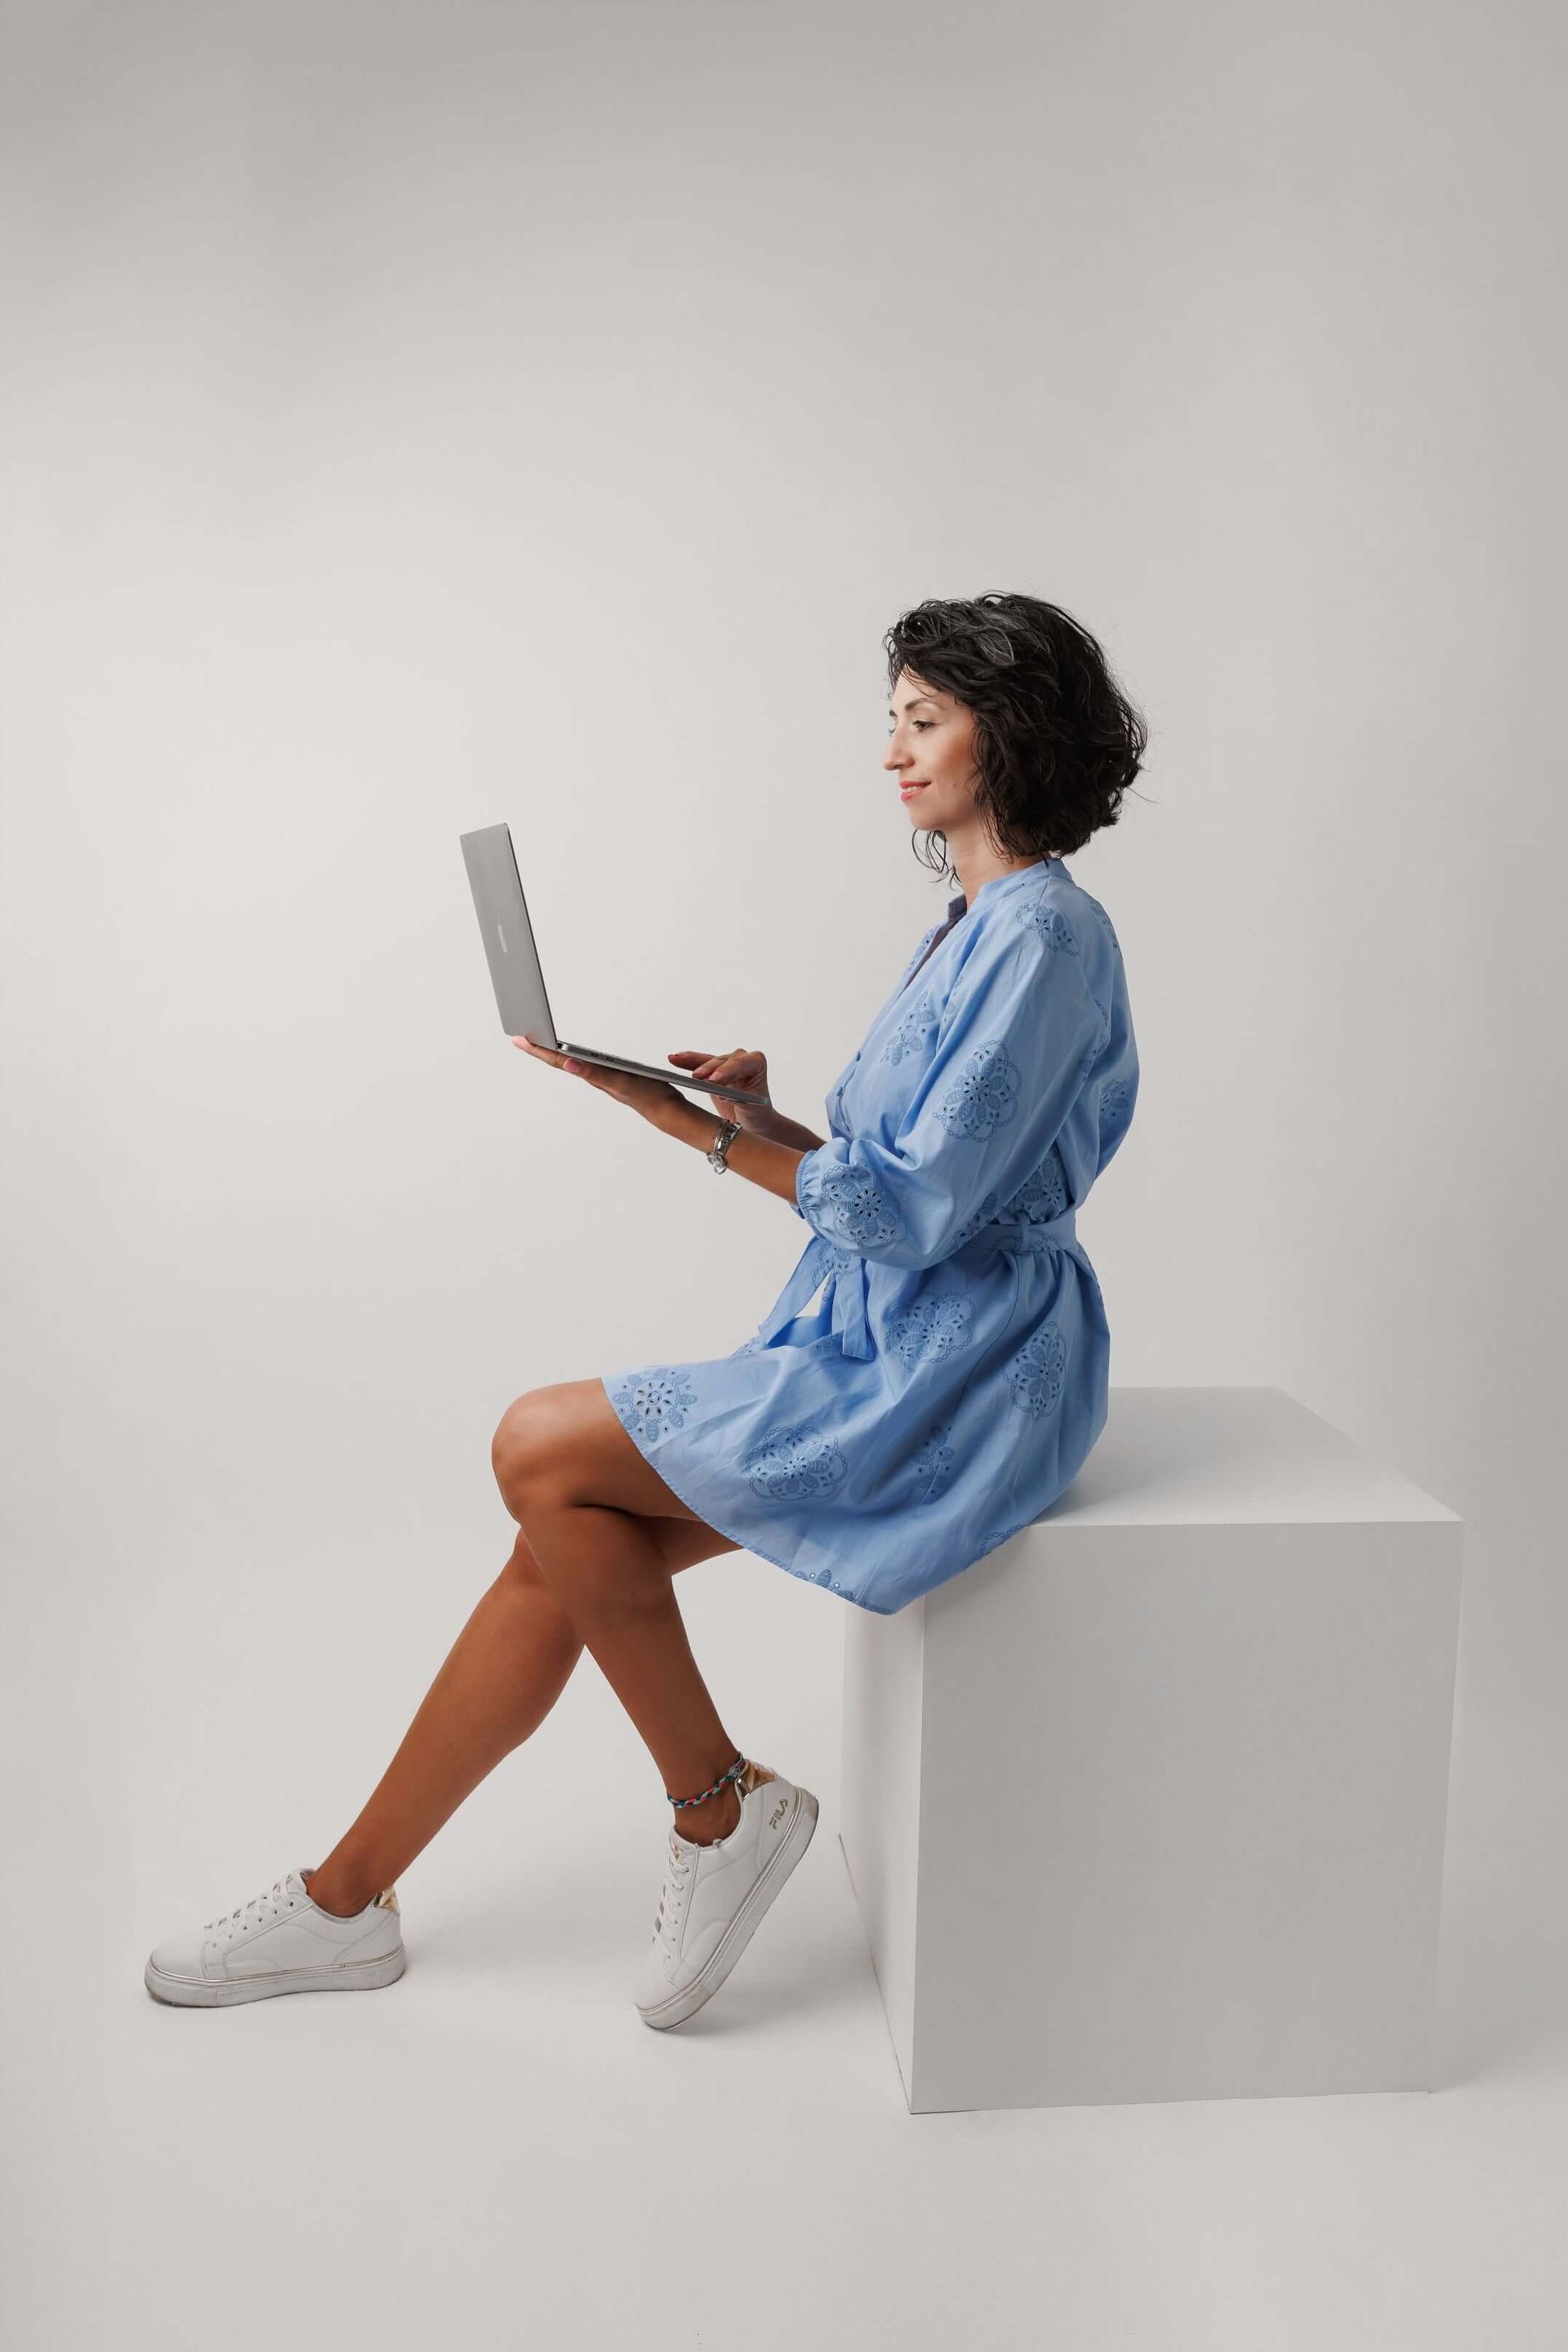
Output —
(335, 1895)
(716, 1817)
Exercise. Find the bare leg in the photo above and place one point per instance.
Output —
(609, 1573)
(507, 1669)
(590, 1501)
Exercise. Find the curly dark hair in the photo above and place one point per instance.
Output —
(1057, 743)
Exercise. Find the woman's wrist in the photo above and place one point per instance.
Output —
(690, 1123)
(763, 1120)
(759, 1158)
(704, 1126)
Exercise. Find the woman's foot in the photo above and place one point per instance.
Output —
(715, 1892)
(279, 1942)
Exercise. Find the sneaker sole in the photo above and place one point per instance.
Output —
(191, 1993)
(742, 1927)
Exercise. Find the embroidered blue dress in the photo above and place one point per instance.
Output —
(954, 1375)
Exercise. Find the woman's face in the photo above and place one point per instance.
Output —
(931, 745)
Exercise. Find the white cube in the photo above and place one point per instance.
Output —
(1150, 1804)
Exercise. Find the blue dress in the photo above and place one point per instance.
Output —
(954, 1375)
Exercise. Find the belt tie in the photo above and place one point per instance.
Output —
(847, 1274)
(844, 1271)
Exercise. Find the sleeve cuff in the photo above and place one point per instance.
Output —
(800, 1168)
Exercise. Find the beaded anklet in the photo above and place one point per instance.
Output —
(734, 1772)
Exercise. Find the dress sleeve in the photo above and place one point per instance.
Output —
(1016, 1034)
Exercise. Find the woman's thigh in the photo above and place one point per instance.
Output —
(567, 1440)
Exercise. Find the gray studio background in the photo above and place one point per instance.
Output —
(417, 417)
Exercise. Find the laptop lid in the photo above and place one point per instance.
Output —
(508, 934)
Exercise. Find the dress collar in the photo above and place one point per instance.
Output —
(1001, 885)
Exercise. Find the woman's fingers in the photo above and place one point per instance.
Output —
(704, 1065)
(543, 1054)
(740, 1068)
(739, 1065)
(699, 1065)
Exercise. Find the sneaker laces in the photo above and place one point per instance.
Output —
(677, 1871)
(275, 1900)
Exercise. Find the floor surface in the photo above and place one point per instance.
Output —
(496, 2151)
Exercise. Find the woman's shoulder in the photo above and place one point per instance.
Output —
(1070, 920)
(1048, 932)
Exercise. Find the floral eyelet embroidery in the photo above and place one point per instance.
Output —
(1036, 1372)
(793, 1460)
(1042, 1195)
(933, 1327)
(653, 1401)
(1113, 1105)
(852, 1205)
(983, 1217)
(935, 1461)
(984, 1095)
(1039, 915)
(907, 1038)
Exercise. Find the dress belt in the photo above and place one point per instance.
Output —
(848, 1274)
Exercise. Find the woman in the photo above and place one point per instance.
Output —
(950, 1383)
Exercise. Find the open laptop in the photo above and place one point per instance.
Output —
(513, 959)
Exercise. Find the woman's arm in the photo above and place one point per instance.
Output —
(769, 1160)
(756, 1157)
(780, 1129)
(749, 1071)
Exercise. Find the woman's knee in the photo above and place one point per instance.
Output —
(529, 1436)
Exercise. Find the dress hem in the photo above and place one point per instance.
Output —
(745, 1543)
(802, 1576)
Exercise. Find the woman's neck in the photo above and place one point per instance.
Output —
(971, 889)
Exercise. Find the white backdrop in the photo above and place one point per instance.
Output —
(420, 416)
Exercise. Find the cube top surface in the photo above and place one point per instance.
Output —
(1230, 1457)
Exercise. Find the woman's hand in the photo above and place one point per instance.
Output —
(747, 1071)
(649, 1098)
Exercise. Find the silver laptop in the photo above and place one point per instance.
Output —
(513, 959)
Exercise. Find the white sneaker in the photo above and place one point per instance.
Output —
(714, 1894)
(279, 1942)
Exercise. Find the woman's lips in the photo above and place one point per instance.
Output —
(905, 790)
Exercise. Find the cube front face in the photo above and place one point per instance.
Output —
(1159, 1813)
(879, 1800)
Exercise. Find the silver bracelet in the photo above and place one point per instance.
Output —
(719, 1149)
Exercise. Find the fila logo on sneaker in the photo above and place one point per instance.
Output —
(776, 1816)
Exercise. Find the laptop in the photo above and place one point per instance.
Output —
(513, 961)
